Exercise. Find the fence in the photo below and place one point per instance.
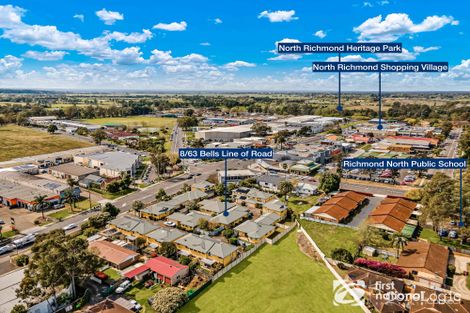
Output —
(243, 256)
(279, 237)
(326, 222)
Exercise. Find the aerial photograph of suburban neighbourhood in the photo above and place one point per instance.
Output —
(234, 156)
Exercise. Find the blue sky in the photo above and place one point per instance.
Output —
(222, 45)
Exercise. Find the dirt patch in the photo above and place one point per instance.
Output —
(306, 247)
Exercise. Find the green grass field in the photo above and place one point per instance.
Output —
(300, 204)
(21, 141)
(136, 121)
(329, 237)
(277, 278)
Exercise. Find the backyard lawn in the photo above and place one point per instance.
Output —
(112, 273)
(24, 141)
(135, 121)
(433, 237)
(329, 237)
(300, 205)
(277, 278)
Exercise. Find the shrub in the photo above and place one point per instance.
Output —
(451, 270)
(233, 241)
(381, 267)
(227, 233)
(168, 300)
(22, 260)
(90, 231)
(342, 255)
(185, 260)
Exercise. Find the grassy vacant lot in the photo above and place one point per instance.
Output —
(136, 121)
(276, 278)
(329, 237)
(21, 141)
(300, 204)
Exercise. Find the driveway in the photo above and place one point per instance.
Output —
(460, 281)
(362, 216)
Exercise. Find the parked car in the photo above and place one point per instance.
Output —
(137, 307)
(170, 224)
(123, 286)
(58, 206)
(7, 248)
(453, 234)
(2, 222)
(69, 227)
(443, 232)
(26, 240)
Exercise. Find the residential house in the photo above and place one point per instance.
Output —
(269, 182)
(305, 189)
(425, 262)
(235, 216)
(234, 176)
(208, 250)
(109, 306)
(164, 270)
(163, 234)
(158, 211)
(214, 207)
(115, 255)
(188, 221)
(394, 215)
(339, 208)
(132, 227)
(251, 197)
(440, 304)
(268, 219)
(275, 206)
(254, 232)
(203, 186)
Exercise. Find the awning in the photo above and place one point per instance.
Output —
(153, 246)
(408, 230)
(131, 238)
(181, 252)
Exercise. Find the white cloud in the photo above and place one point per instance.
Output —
(396, 25)
(217, 21)
(367, 4)
(109, 17)
(383, 2)
(320, 33)
(351, 58)
(205, 44)
(278, 16)
(284, 57)
(234, 66)
(10, 64)
(172, 27)
(80, 17)
(10, 16)
(461, 71)
(45, 55)
(406, 55)
(192, 63)
(131, 37)
(419, 49)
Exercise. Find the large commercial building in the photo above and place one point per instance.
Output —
(110, 164)
(20, 190)
(224, 134)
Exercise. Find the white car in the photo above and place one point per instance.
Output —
(7, 248)
(69, 227)
(171, 224)
(123, 286)
(137, 307)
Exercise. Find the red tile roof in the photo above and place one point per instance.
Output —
(160, 265)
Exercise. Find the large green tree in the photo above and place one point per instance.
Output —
(260, 129)
(285, 187)
(329, 182)
(464, 143)
(58, 261)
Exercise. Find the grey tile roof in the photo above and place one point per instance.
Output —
(134, 224)
(276, 205)
(215, 205)
(191, 219)
(270, 179)
(165, 234)
(207, 245)
(254, 230)
(268, 219)
(234, 214)
(159, 208)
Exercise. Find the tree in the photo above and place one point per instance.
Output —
(203, 224)
(51, 129)
(285, 187)
(19, 308)
(40, 203)
(70, 198)
(260, 129)
(197, 143)
(137, 206)
(464, 143)
(399, 242)
(57, 262)
(98, 136)
(161, 195)
(187, 122)
(228, 233)
(281, 137)
(113, 186)
(169, 300)
(111, 209)
(219, 189)
(140, 242)
(168, 249)
(99, 220)
(342, 255)
(160, 161)
(329, 182)
(446, 128)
